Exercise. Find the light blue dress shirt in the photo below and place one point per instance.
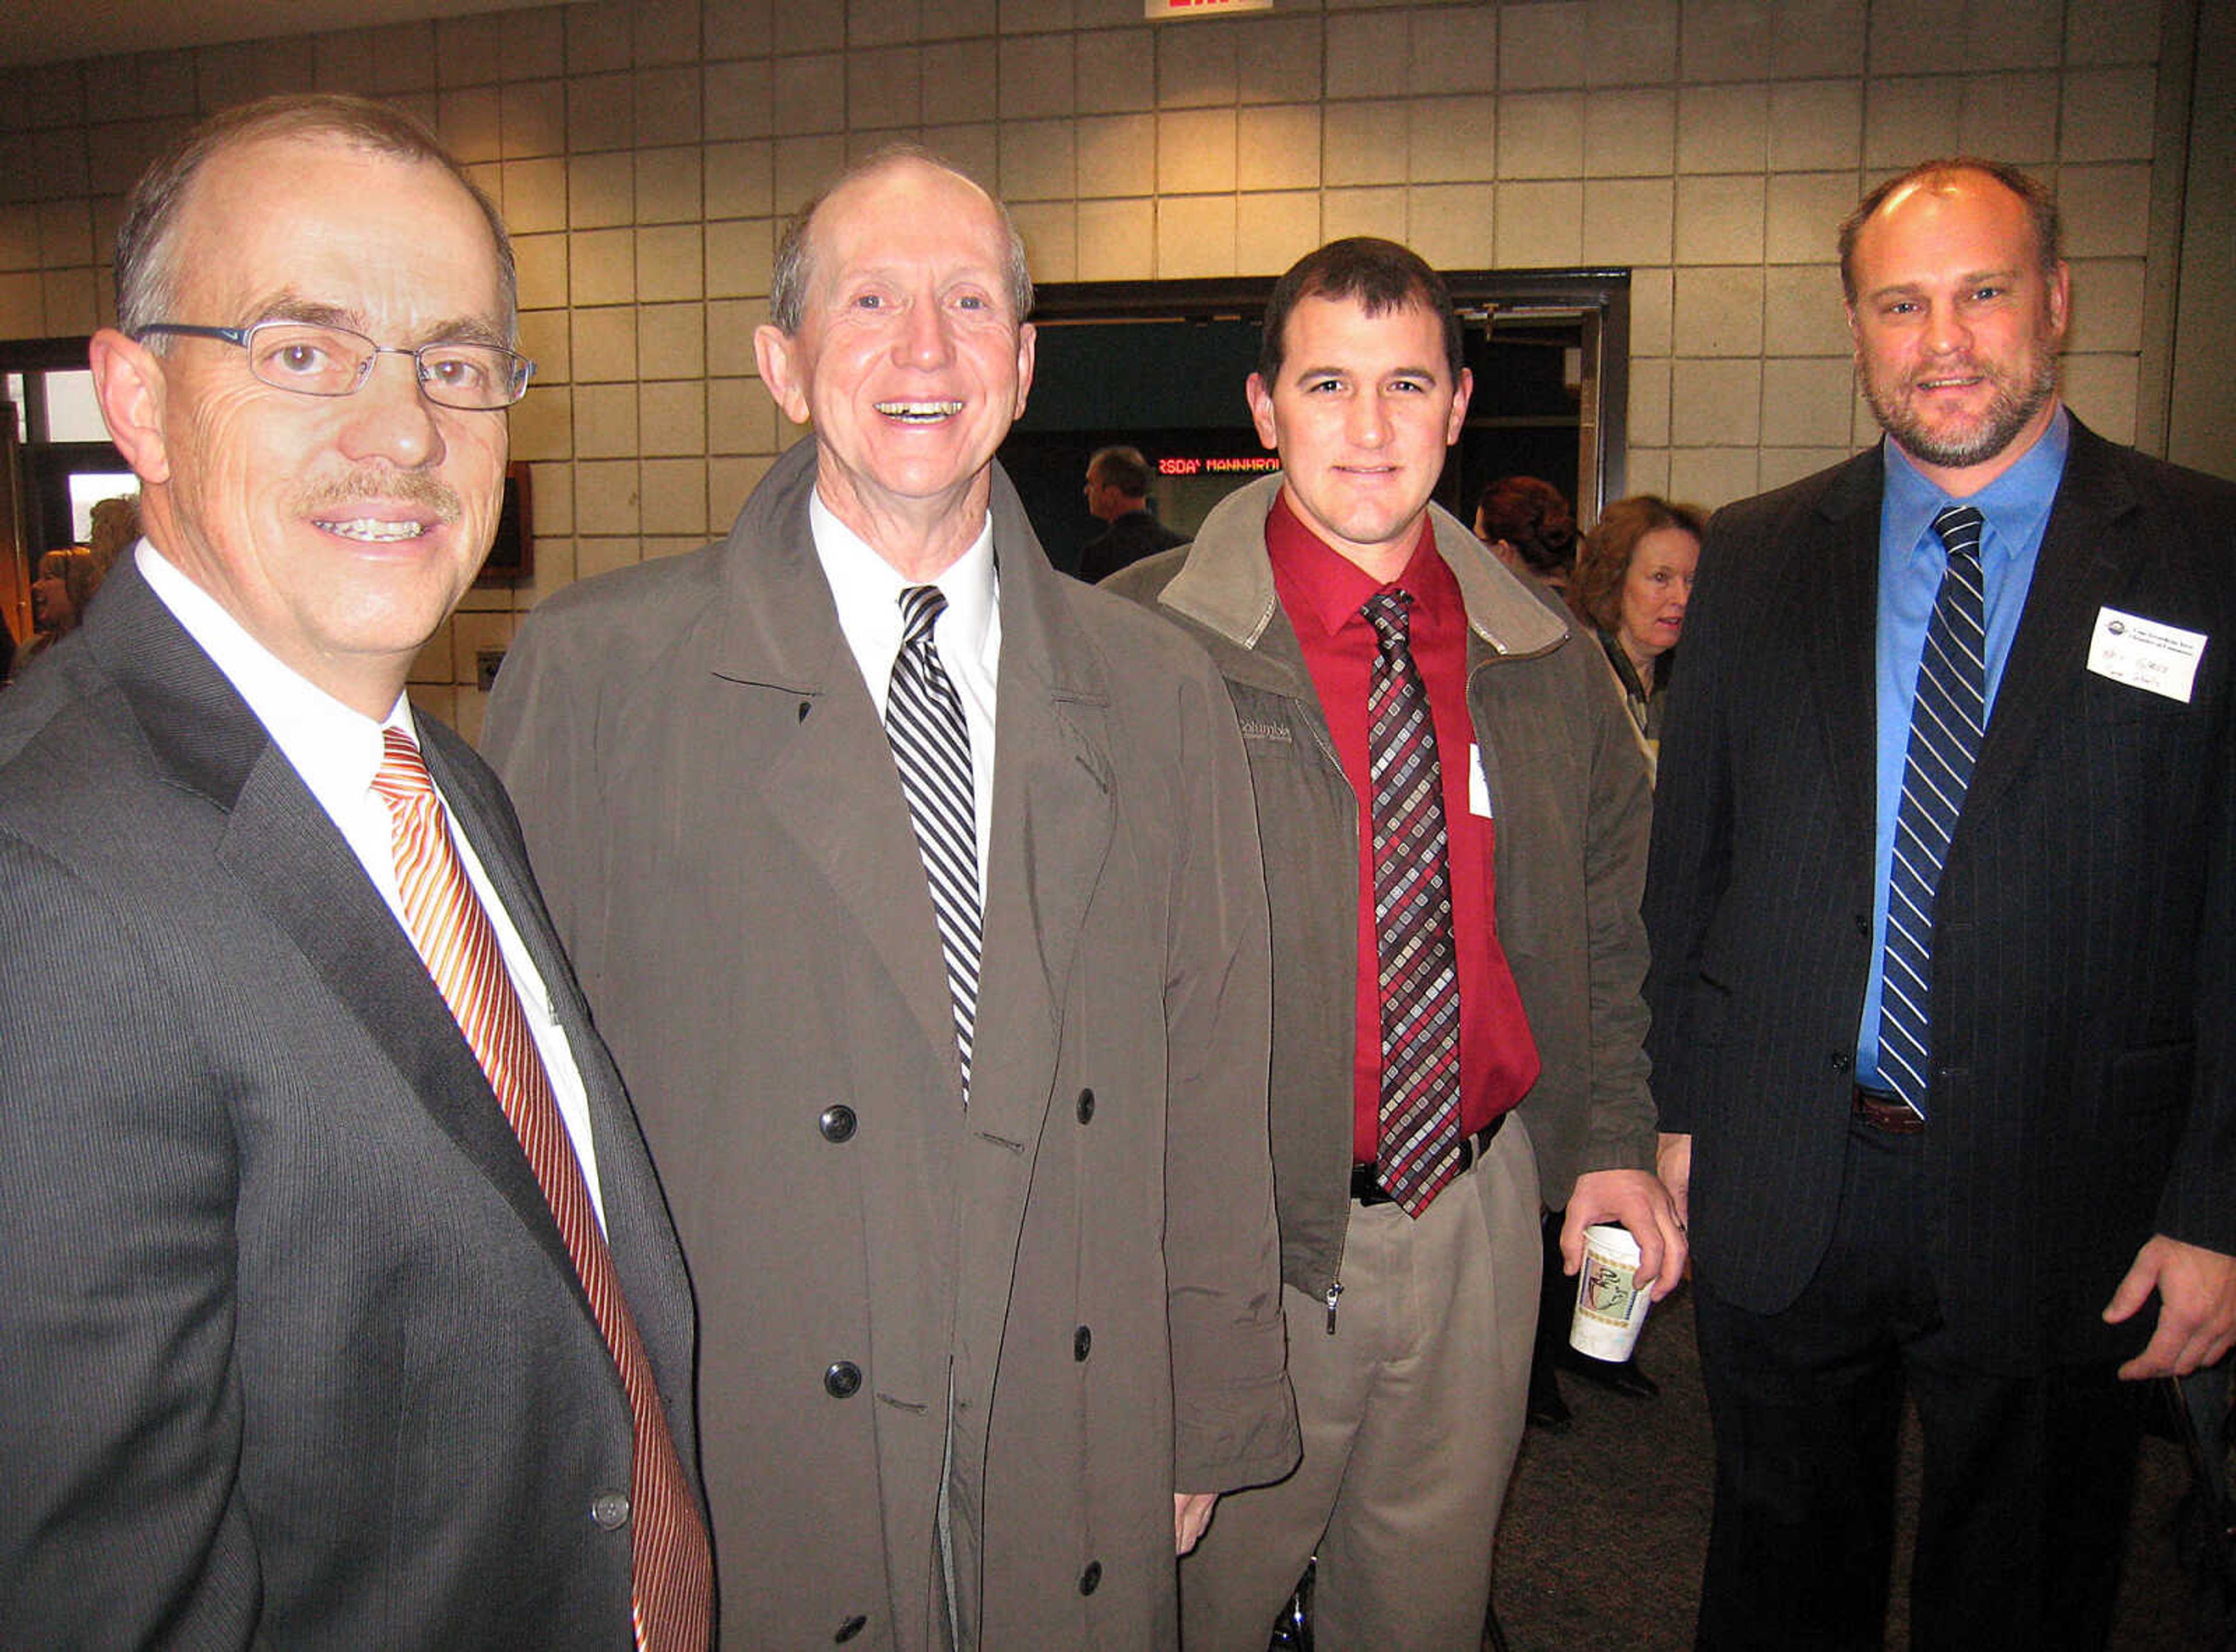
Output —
(1911, 560)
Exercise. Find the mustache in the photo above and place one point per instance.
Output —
(427, 493)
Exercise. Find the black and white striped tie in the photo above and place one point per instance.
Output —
(1946, 722)
(931, 747)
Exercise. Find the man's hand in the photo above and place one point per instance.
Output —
(2197, 1306)
(1191, 1514)
(1673, 1158)
(1641, 1203)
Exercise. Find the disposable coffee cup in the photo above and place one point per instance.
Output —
(1610, 1307)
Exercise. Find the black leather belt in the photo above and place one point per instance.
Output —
(1887, 1113)
(1365, 1190)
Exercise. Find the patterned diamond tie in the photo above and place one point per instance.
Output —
(931, 748)
(671, 1593)
(1945, 725)
(1420, 1105)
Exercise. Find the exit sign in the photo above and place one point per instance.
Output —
(1162, 10)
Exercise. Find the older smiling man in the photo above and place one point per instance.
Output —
(916, 889)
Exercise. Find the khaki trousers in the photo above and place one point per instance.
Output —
(1411, 1412)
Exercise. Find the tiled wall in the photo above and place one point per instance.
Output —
(642, 151)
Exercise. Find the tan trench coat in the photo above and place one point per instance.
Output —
(714, 815)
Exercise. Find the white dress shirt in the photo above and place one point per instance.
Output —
(867, 590)
(337, 751)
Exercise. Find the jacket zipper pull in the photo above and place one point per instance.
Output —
(1334, 1290)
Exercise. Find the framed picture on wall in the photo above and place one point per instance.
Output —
(513, 555)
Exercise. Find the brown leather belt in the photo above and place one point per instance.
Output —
(1365, 1190)
(1887, 1113)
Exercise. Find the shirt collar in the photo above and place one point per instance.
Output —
(1334, 588)
(867, 590)
(2015, 504)
(335, 748)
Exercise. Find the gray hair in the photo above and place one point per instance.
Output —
(795, 269)
(147, 265)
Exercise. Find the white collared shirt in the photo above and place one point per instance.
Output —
(867, 590)
(337, 751)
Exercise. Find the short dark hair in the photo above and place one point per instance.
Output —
(1381, 275)
(2041, 205)
(1122, 468)
(146, 272)
(1595, 589)
(1534, 517)
(794, 269)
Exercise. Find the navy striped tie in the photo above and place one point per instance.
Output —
(931, 748)
(1419, 1113)
(1946, 722)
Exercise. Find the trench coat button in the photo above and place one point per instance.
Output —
(852, 1626)
(837, 1123)
(610, 1509)
(1862, 927)
(1086, 1106)
(1081, 1340)
(1840, 1060)
(842, 1380)
(1091, 1579)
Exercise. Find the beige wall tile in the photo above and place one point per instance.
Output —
(71, 301)
(668, 109)
(533, 194)
(1647, 470)
(532, 43)
(668, 186)
(2102, 391)
(738, 179)
(1196, 236)
(597, 36)
(2111, 32)
(1278, 60)
(1543, 45)
(2014, 34)
(600, 190)
(1807, 402)
(671, 341)
(811, 95)
(1450, 140)
(813, 28)
(1628, 221)
(1038, 161)
(1803, 211)
(974, 148)
(19, 238)
(1712, 476)
(1652, 304)
(728, 484)
(1720, 220)
(1116, 70)
(1451, 225)
(674, 494)
(2012, 117)
(1274, 231)
(550, 503)
(1631, 41)
(606, 497)
(736, 101)
(1916, 37)
(1117, 154)
(434, 662)
(1816, 124)
(1780, 466)
(1724, 40)
(65, 233)
(542, 426)
(730, 324)
(602, 265)
(1723, 128)
(601, 112)
(1366, 55)
(1363, 212)
(595, 556)
(1117, 240)
(1630, 134)
(1453, 50)
(962, 81)
(605, 424)
(471, 123)
(664, 31)
(545, 339)
(2107, 209)
(1540, 225)
(741, 418)
(1195, 66)
(1648, 423)
(2106, 305)
(739, 256)
(2108, 114)
(1540, 135)
(605, 344)
(1036, 76)
(884, 87)
(1195, 151)
(1801, 311)
(1366, 143)
(805, 165)
(1908, 121)
(1278, 147)
(1718, 311)
(1051, 229)
(541, 264)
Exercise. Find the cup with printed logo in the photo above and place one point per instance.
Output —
(1610, 1306)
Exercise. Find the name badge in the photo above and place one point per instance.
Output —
(1478, 783)
(2145, 653)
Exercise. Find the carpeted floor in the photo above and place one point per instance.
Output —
(1600, 1549)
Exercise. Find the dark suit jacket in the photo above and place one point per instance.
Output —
(1125, 542)
(2084, 1091)
(293, 1352)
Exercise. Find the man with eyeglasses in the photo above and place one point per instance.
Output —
(341, 1304)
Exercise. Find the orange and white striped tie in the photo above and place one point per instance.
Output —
(672, 1574)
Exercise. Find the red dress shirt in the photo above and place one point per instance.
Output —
(1323, 591)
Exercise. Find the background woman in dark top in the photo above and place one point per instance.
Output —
(1632, 585)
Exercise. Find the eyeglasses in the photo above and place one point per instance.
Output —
(313, 361)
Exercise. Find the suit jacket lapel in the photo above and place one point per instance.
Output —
(1838, 574)
(2085, 554)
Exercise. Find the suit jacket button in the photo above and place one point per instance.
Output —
(852, 1626)
(1086, 1106)
(837, 1123)
(1091, 1579)
(1081, 1340)
(842, 1380)
(1841, 1059)
(610, 1509)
